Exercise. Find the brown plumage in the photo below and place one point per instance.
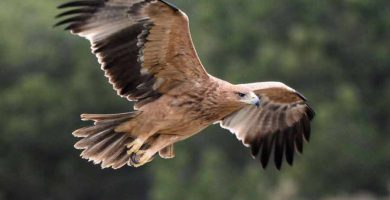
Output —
(146, 51)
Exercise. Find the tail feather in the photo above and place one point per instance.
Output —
(112, 154)
(93, 139)
(109, 147)
(94, 152)
(90, 130)
(122, 160)
(119, 158)
(99, 117)
(111, 121)
(101, 143)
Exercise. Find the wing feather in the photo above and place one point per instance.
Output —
(144, 46)
(280, 124)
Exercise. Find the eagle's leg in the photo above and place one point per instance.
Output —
(139, 140)
(142, 157)
(135, 146)
(167, 152)
(135, 156)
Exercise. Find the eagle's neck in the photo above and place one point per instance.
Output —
(218, 101)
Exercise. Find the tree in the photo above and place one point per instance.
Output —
(335, 52)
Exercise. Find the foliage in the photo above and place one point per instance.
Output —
(335, 52)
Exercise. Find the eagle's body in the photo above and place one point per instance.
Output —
(146, 51)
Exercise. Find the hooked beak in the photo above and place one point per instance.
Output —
(257, 104)
(254, 100)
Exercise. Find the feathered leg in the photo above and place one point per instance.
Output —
(156, 144)
(167, 152)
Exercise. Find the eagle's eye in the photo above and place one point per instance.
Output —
(241, 94)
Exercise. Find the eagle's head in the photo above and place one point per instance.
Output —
(240, 96)
(248, 97)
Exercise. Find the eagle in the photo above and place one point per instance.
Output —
(146, 51)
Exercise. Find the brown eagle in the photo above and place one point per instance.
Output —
(146, 51)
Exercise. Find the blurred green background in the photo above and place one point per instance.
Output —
(336, 52)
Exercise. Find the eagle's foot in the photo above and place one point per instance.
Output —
(140, 158)
(134, 146)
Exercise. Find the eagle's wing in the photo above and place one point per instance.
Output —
(281, 123)
(144, 46)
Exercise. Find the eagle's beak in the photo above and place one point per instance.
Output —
(255, 100)
(257, 104)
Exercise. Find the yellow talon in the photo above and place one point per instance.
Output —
(143, 160)
(134, 146)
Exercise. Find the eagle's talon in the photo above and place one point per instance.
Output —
(134, 146)
(136, 157)
(140, 158)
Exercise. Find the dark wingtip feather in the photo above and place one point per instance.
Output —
(170, 5)
(264, 163)
(81, 3)
(279, 147)
(255, 147)
(287, 140)
(73, 27)
(88, 7)
(310, 112)
(290, 144)
(76, 11)
(298, 137)
(301, 95)
(70, 20)
(306, 128)
(299, 143)
(266, 151)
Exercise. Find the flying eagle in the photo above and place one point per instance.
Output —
(146, 51)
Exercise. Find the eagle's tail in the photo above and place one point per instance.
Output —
(101, 143)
